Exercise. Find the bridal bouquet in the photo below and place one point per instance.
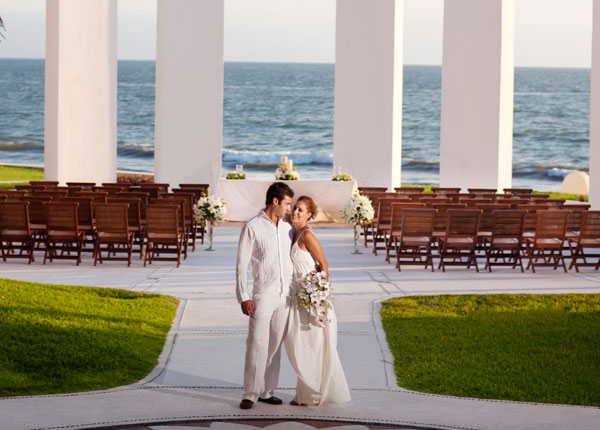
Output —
(210, 208)
(315, 294)
(358, 210)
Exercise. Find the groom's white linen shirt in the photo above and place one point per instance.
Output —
(267, 246)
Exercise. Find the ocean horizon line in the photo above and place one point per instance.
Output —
(310, 63)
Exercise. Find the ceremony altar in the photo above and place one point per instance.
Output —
(245, 198)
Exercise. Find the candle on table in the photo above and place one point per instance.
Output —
(284, 160)
(289, 165)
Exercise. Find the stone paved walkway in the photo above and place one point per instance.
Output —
(200, 372)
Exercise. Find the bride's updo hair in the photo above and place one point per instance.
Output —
(310, 204)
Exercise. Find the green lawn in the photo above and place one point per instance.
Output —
(60, 339)
(538, 348)
(21, 175)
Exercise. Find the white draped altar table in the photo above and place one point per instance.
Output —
(246, 197)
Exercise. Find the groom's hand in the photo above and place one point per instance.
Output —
(248, 307)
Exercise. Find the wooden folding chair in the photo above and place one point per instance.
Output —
(134, 221)
(518, 190)
(402, 190)
(37, 219)
(588, 238)
(486, 222)
(396, 224)
(191, 225)
(460, 239)
(3, 198)
(430, 201)
(482, 190)
(163, 235)
(96, 196)
(548, 241)
(63, 233)
(445, 190)
(85, 219)
(441, 218)
(13, 195)
(112, 231)
(183, 215)
(373, 196)
(361, 189)
(506, 239)
(84, 185)
(56, 194)
(383, 225)
(473, 202)
(44, 183)
(530, 220)
(15, 234)
(413, 243)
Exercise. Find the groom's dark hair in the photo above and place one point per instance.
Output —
(278, 190)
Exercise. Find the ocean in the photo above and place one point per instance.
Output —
(275, 109)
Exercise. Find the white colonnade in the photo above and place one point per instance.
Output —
(477, 94)
(80, 105)
(367, 122)
(189, 92)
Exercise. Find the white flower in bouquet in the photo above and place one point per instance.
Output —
(210, 208)
(316, 296)
(358, 210)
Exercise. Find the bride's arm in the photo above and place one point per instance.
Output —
(313, 246)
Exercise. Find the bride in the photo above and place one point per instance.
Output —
(312, 348)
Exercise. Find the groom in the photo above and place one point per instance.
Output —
(265, 241)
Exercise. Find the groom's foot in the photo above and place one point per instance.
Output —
(271, 400)
(246, 404)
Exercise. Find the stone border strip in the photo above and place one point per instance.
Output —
(214, 387)
(106, 425)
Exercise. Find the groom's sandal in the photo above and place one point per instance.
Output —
(246, 404)
(271, 400)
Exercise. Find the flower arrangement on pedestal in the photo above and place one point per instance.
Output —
(286, 171)
(341, 176)
(207, 211)
(316, 296)
(236, 175)
(358, 211)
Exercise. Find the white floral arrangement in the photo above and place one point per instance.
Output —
(315, 294)
(210, 208)
(358, 210)
(286, 171)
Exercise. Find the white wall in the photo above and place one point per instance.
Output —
(368, 91)
(595, 112)
(80, 107)
(189, 92)
(477, 94)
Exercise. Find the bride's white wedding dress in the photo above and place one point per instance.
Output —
(312, 349)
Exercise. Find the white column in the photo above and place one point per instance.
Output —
(595, 112)
(80, 106)
(189, 92)
(477, 94)
(368, 91)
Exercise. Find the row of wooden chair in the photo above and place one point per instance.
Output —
(445, 190)
(111, 230)
(388, 227)
(505, 245)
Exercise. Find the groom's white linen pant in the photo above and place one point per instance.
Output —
(263, 347)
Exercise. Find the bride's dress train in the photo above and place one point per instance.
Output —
(312, 349)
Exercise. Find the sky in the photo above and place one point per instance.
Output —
(548, 33)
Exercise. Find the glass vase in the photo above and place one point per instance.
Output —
(356, 238)
(209, 233)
